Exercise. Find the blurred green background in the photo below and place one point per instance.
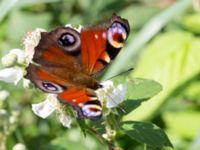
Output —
(164, 45)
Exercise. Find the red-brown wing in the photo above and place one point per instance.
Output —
(93, 45)
(84, 100)
(51, 52)
(101, 43)
(79, 96)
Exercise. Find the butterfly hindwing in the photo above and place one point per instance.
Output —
(83, 99)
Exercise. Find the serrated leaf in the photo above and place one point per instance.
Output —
(137, 88)
(142, 88)
(146, 133)
(130, 105)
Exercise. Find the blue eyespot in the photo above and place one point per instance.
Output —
(49, 87)
(117, 35)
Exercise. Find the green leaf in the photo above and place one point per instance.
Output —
(23, 25)
(146, 133)
(32, 2)
(6, 6)
(137, 88)
(138, 91)
(74, 139)
(177, 123)
(192, 22)
(142, 88)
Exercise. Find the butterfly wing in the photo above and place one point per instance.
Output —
(100, 44)
(65, 61)
(82, 98)
(57, 69)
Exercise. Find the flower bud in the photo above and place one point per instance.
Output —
(3, 95)
(19, 146)
(9, 60)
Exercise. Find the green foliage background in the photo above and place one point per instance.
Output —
(164, 45)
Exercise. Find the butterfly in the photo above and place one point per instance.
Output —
(66, 62)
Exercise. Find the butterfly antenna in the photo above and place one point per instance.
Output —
(121, 73)
(110, 96)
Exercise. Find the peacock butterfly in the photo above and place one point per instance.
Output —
(66, 62)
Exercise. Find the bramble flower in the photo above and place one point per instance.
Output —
(11, 75)
(77, 29)
(3, 95)
(13, 57)
(110, 94)
(30, 41)
(48, 106)
(19, 146)
(16, 60)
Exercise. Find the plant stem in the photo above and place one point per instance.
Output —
(100, 138)
(145, 146)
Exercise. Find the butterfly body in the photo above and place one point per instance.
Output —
(66, 62)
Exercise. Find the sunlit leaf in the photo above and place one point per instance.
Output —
(177, 122)
(171, 59)
(138, 89)
(192, 22)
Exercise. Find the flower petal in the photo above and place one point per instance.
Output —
(20, 55)
(31, 40)
(19, 146)
(3, 95)
(117, 96)
(65, 120)
(11, 75)
(45, 108)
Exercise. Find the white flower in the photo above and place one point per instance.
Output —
(19, 146)
(31, 40)
(47, 107)
(77, 29)
(15, 55)
(112, 95)
(3, 95)
(26, 83)
(11, 75)
(65, 120)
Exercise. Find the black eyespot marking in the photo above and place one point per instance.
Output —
(49, 87)
(70, 40)
(67, 39)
